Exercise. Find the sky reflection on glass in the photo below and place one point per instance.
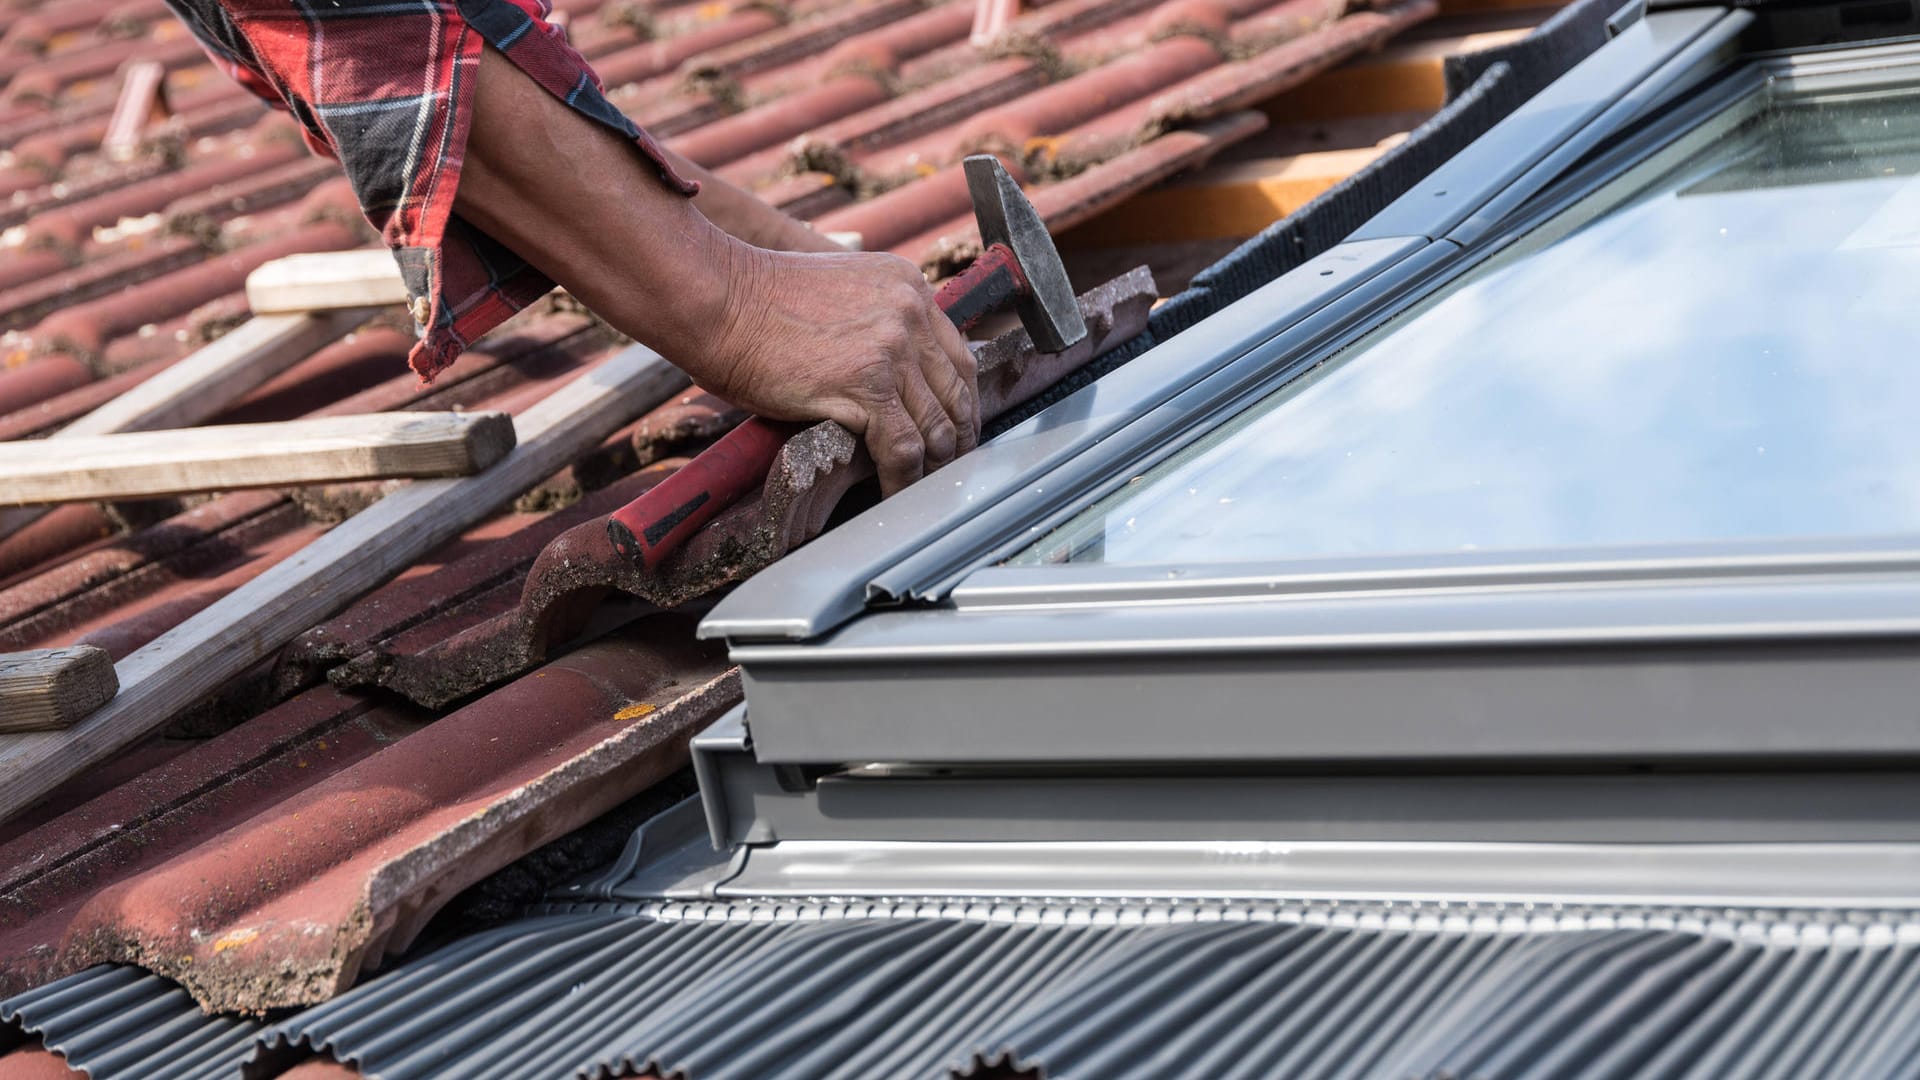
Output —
(1729, 352)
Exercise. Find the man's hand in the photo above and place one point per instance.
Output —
(843, 336)
(850, 337)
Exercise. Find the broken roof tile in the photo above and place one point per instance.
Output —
(271, 864)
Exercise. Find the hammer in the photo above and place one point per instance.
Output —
(1020, 264)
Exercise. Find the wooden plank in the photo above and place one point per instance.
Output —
(201, 385)
(381, 446)
(1408, 77)
(215, 376)
(1222, 201)
(49, 689)
(324, 281)
(249, 624)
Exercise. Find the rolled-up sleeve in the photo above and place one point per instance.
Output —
(387, 88)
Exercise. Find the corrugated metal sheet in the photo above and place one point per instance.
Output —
(120, 1021)
(1082, 989)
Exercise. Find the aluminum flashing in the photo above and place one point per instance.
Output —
(1703, 57)
(1504, 154)
(1124, 699)
(826, 583)
(1758, 875)
(931, 987)
(747, 805)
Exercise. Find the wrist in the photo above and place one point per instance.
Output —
(725, 318)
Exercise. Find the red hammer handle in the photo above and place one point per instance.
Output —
(651, 527)
(993, 279)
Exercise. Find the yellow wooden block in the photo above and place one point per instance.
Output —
(1222, 202)
(1410, 77)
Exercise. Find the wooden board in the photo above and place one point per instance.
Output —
(1408, 77)
(249, 624)
(144, 464)
(49, 689)
(215, 376)
(1222, 201)
(201, 385)
(322, 281)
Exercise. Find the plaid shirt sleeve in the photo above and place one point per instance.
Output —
(386, 86)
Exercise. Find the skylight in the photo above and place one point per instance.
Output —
(1719, 344)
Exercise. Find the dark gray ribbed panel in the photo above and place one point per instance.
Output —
(1097, 990)
(111, 1021)
(748, 991)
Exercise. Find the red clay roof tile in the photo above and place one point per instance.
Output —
(273, 863)
(34, 1063)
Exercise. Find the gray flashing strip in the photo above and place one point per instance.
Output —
(1709, 52)
(1679, 660)
(1753, 703)
(1789, 804)
(1770, 876)
(1104, 583)
(1876, 603)
(1505, 154)
(824, 583)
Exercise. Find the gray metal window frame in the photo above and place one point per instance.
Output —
(1681, 652)
(935, 530)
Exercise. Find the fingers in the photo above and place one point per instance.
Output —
(951, 372)
(939, 435)
(893, 438)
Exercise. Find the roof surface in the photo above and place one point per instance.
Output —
(310, 820)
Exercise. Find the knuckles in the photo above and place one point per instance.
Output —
(942, 438)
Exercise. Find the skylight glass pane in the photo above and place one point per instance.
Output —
(1723, 343)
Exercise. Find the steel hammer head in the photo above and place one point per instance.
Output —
(1047, 307)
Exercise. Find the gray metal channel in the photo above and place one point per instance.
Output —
(1534, 132)
(1752, 875)
(934, 987)
(1222, 682)
(877, 803)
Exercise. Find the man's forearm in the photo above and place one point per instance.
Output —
(788, 326)
(575, 199)
(746, 217)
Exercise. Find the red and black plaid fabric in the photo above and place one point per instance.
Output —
(386, 86)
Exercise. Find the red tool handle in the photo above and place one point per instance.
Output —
(993, 279)
(653, 526)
